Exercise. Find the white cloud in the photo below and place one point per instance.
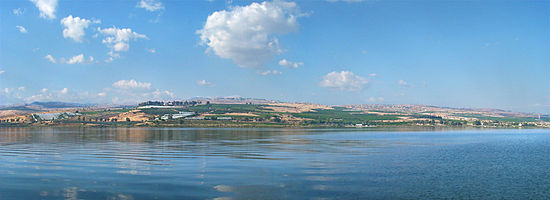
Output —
(122, 96)
(403, 83)
(289, 64)
(110, 59)
(1, 72)
(150, 5)
(376, 99)
(21, 88)
(131, 84)
(344, 80)
(50, 58)
(269, 72)
(17, 11)
(373, 75)
(61, 95)
(118, 40)
(78, 59)
(46, 8)
(158, 94)
(245, 34)
(108, 95)
(112, 56)
(151, 50)
(347, 1)
(74, 27)
(21, 29)
(204, 83)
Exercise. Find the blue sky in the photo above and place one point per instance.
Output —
(493, 54)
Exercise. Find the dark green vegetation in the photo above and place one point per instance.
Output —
(504, 119)
(105, 111)
(226, 108)
(339, 116)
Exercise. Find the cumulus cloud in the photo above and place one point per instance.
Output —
(403, 83)
(270, 72)
(50, 58)
(245, 34)
(347, 1)
(123, 96)
(17, 11)
(150, 5)
(118, 39)
(289, 64)
(376, 99)
(131, 84)
(21, 29)
(78, 59)
(344, 80)
(204, 83)
(64, 91)
(162, 94)
(122, 92)
(74, 27)
(46, 7)
(59, 95)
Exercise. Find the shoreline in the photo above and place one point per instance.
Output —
(251, 126)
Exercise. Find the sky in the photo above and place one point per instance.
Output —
(472, 54)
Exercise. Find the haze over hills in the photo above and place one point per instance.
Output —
(44, 105)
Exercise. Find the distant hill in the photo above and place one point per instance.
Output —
(41, 106)
(20, 108)
(233, 100)
(57, 104)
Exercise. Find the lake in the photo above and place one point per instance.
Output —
(189, 163)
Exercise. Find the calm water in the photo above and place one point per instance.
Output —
(78, 163)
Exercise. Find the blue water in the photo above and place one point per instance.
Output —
(78, 163)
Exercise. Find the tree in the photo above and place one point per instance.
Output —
(127, 119)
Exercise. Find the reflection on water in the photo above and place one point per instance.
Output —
(133, 163)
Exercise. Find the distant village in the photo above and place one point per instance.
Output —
(149, 104)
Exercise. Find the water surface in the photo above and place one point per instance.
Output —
(89, 163)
